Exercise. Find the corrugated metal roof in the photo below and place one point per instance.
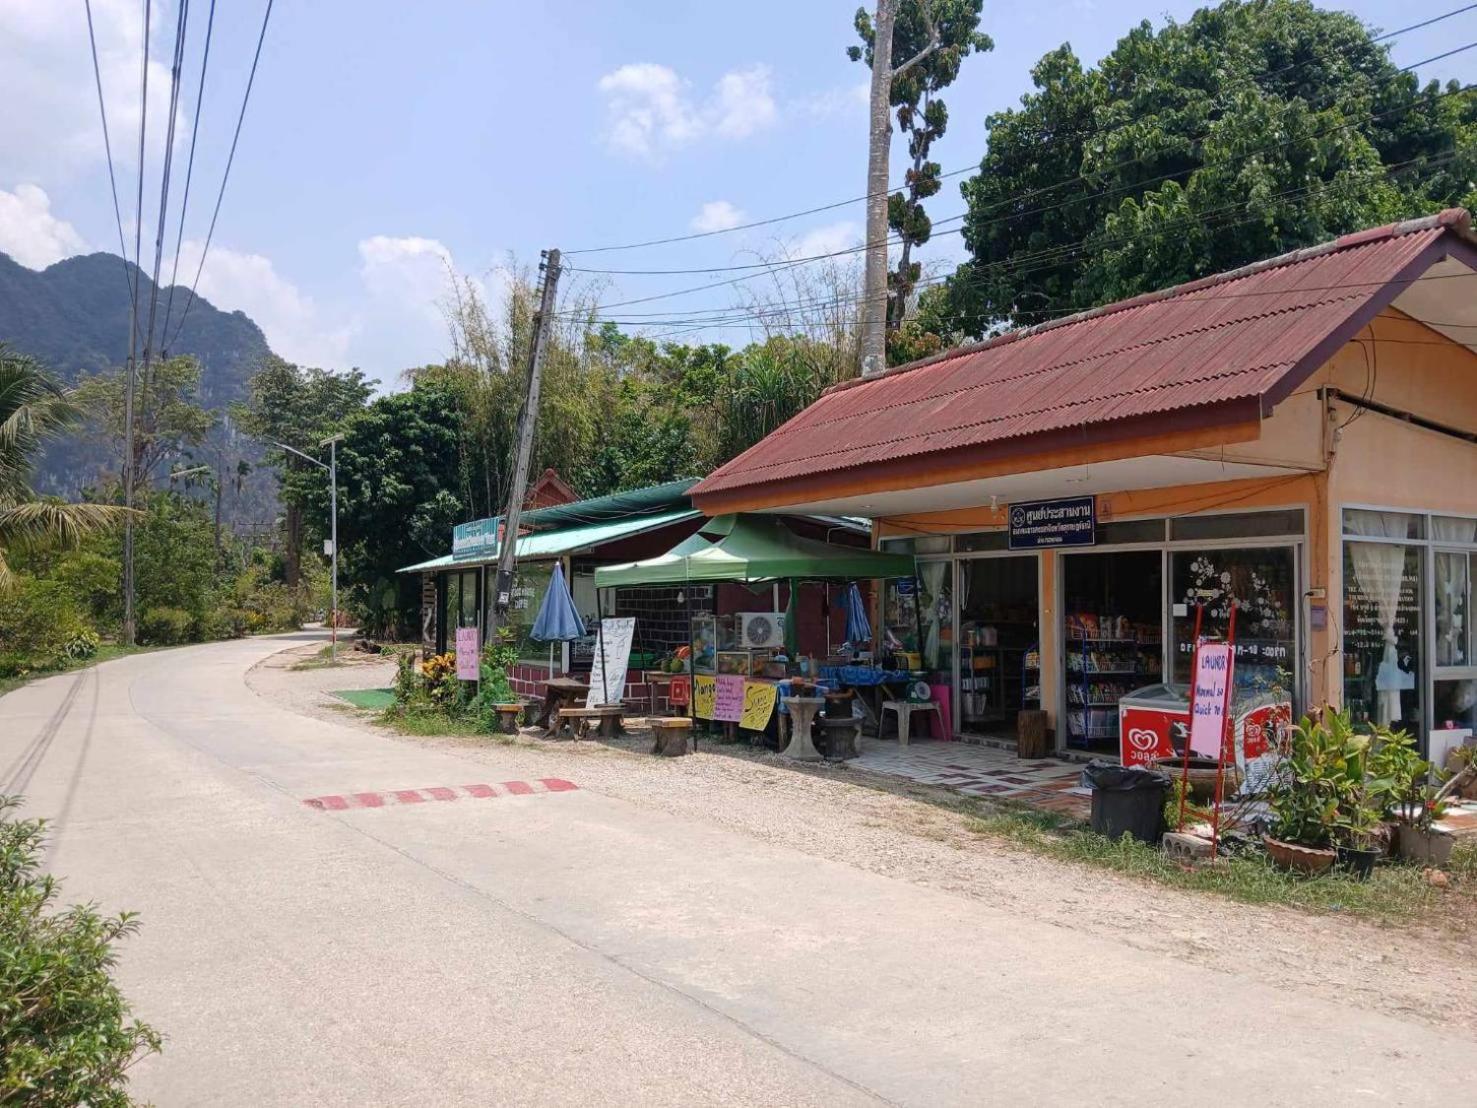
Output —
(550, 544)
(1234, 336)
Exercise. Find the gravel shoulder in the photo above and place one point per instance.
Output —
(909, 833)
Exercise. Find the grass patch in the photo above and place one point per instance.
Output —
(105, 653)
(374, 700)
(434, 724)
(1394, 893)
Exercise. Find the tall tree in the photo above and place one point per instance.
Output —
(169, 422)
(1256, 127)
(940, 34)
(299, 406)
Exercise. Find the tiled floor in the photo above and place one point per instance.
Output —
(980, 771)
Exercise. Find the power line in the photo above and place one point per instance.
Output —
(1386, 36)
(225, 177)
(102, 111)
(130, 381)
(189, 170)
(176, 70)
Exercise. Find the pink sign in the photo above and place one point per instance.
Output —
(729, 704)
(1209, 698)
(467, 659)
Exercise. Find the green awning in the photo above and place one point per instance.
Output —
(570, 540)
(755, 548)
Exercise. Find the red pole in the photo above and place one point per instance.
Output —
(1220, 762)
(1185, 771)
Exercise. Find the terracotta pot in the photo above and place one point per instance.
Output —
(1426, 848)
(1311, 860)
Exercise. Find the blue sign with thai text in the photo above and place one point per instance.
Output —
(1039, 523)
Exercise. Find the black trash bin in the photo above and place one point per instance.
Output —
(1126, 799)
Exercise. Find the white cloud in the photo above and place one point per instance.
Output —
(848, 100)
(51, 128)
(30, 234)
(717, 215)
(828, 239)
(408, 271)
(650, 108)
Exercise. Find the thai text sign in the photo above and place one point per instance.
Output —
(468, 540)
(467, 660)
(1209, 697)
(1038, 523)
(729, 698)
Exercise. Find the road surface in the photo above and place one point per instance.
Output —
(552, 945)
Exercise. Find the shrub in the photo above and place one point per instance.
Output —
(66, 1034)
(165, 626)
(82, 645)
(38, 623)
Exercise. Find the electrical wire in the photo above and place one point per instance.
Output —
(225, 177)
(1386, 36)
(102, 111)
(181, 28)
(189, 170)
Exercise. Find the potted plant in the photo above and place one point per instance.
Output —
(1305, 793)
(1419, 840)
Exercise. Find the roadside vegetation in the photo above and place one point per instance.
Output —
(67, 1036)
(430, 700)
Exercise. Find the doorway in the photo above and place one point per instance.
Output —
(1113, 640)
(999, 629)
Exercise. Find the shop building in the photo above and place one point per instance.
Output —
(1297, 437)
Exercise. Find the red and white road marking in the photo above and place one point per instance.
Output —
(340, 803)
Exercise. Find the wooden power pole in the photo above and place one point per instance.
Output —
(527, 419)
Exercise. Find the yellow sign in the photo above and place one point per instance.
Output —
(704, 696)
(759, 701)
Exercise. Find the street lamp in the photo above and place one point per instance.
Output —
(332, 468)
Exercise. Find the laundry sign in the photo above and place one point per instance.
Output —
(1210, 698)
(1039, 523)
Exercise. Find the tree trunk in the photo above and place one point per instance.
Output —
(874, 291)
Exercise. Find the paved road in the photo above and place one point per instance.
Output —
(564, 947)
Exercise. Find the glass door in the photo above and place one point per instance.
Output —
(999, 634)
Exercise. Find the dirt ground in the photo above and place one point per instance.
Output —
(904, 831)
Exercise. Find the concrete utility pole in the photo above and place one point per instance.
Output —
(874, 289)
(527, 418)
(332, 470)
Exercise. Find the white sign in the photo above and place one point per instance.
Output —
(1209, 698)
(612, 656)
(328, 548)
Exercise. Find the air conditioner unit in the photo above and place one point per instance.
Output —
(763, 630)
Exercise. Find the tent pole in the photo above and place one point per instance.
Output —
(918, 617)
(691, 655)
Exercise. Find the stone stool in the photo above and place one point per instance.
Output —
(673, 735)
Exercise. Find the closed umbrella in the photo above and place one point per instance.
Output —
(558, 619)
(858, 629)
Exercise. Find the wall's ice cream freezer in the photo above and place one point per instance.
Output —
(1154, 723)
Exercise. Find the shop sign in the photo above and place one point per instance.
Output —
(730, 698)
(1209, 698)
(468, 540)
(467, 654)
(1039, 523)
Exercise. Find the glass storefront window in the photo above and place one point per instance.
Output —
(1453, 608)
(1382, 633)
(1262, 584)
(530, 582)
(925, 608)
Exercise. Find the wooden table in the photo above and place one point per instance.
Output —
(561, 692)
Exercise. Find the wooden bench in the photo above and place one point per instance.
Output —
(673, 735)
(574, 723)
(612, 720)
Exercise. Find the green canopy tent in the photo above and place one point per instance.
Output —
(752, 548)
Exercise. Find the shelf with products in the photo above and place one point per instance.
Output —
(991, 677)
(1031, 676)
(1107, 657)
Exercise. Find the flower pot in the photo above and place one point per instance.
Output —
(1311, 860)
(1202, 776)
(1426, 848)
(1358, 862)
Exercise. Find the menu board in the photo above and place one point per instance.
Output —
(612, 656)
(728, 703)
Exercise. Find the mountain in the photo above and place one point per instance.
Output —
(73, 317)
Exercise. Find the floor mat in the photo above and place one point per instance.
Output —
(374, 700)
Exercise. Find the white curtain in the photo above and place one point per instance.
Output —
(1449, 529)
(1379, 568)
(933, 585)
(1452, 590)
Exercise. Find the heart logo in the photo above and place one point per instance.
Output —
(1142, 739)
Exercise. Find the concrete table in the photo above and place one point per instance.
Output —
(803, 710)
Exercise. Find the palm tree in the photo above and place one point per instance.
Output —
(32, 408)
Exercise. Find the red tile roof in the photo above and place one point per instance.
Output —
(1248, 335)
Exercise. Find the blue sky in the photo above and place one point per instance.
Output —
(387, 141)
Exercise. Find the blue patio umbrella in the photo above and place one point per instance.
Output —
(558, 620)
(858, 630)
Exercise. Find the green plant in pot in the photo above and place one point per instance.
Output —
(1306, 792)
(1423, 804)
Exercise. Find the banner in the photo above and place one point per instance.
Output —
(728, 704)
(1210, 688)
(468, 660)
(759, 700)
(612, 657)
(704, 694)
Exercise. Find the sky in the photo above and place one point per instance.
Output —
(387, 145)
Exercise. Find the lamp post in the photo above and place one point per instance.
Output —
(332, 468)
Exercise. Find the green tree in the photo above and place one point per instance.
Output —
(923, 117)
(170, 424)
(299, 406)
(34, 408)
(66, 1033)
(1254, 128)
